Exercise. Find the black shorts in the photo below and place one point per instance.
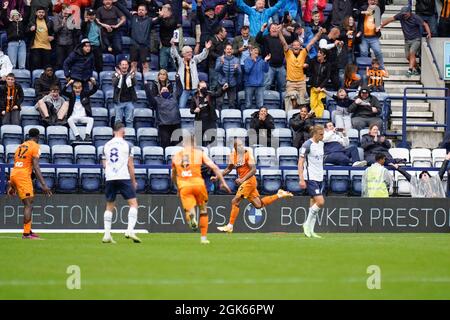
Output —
(139, 53)
(124, 187)
(314, 188)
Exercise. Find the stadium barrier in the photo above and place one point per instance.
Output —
(163, 213)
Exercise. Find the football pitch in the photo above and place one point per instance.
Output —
(236, 266)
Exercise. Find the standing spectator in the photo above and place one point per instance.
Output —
(352, 79)
(65, 36)
(80, 111)
(412, 31)
(310, 6)
(243, 44)
(375, 76)
(209, 21)
(204, 105)
(35, 5)
(15, 34)
(350, 37)
(272, 45)
(153, 10)
(342, 116)
(187, 69)
(124, 82)
(301, 123)
(110, 18)
(341, 9)
(79, 65)
(426, 9)
(167, 115)
(46, 80)
(167, 25)
(229, 71)
(336, 57)
(263, 124)
(141, 25)
(315, 25)
(5, 66)
(366, 110)
(337, 148)
(444, 19)
(42, 35)
(295, 62)
(75, 7)
(92, 31)
(320, 74)
(53, 108)
(218, 43)
(161, 81)
(11, 98)
(369, 25)
(259, 15)
(254, 69)
(304, 35)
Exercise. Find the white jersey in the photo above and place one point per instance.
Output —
(313, 165)
(116, 153)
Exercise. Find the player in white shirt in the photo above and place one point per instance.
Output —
(310, 171)
(119, 176)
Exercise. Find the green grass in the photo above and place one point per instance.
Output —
(237, 266)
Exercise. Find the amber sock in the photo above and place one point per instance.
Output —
(203, 224)
(27, 228)
(234, 214)
(269, 200)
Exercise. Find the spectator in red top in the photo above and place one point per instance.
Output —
(75, 6)
(309, 6)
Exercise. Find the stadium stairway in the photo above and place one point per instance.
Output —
(392, 44)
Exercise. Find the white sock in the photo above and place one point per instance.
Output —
(314, 210)
(230, 226)
(132, 219)
(107, 219)
(203, 238)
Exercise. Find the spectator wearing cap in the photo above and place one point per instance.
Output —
(79, 65)
(167, 25)
(412, 31)
(272, 45)
(15, 34)
(110, 18)
(259, 15)
(66, 36)
(209, 21)
(42, 34)
(141, 25)
(92, 31)
(366, 110)
(187, 69)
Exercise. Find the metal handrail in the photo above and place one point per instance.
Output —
(441, 77)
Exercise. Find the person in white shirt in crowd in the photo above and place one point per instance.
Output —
(5, 66)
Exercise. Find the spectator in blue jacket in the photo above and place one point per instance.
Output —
(254, 69)
(79, 65)
(259, 15)
(229, 71)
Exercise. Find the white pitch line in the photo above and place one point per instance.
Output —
(71, 231)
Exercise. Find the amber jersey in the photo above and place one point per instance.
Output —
(188, 164)
(243, 163)
(23, 158)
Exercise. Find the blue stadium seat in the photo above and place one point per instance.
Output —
(159, 180)
(62, 154)
(203, 76)
(230, 180)
(23, 77)
(291, 182)
(109, 101)
(106, 80)
(36, 74)
(272, 99)
(170, 151)
(2, 154)
(143, 118)
(101, 118)
(287, 156)
(26, 130)
(233, 133)
(356, 183)
(126, 43)
(187, 118)
(147, 137)
(60, 75)
(101, 135)
(10, 151)
(66, 180)
(57, 135)
(122, 56)
(353, 137)
(231, 118)
(49, 176)
(141, 179)
(11, 134)
(284, 136)
(98, 99)
(247, 117)
(339, 181)
(137, 155)
(151, 75)
(189, 41)
(229, 26)
(45, 156)
(109, 62)
(90, 180)
(130, 135)
(85, 154)
(241, 100)
(154, 62)
(142, 101)
(279, 117)
(326, 117)
(220, 154)
(271, 181)
(29, 116)
(265, 156)
(29, 96)
(153, 155)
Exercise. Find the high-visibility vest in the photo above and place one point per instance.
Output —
(376, 187)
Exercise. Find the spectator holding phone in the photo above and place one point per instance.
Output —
(342, 116)
(366, 110)
(373, 143)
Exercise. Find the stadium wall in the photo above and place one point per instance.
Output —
(164, 214)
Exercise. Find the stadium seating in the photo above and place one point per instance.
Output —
(265, 156)
(130, 135)
(220, 155)
(147, 137)
(62, 154)
(400, 153)
(279, 117)
(438, 156)
(23, 77)
(90, 180)
(66, 180)
(11, 134)
(421, 157)
(231, 118)
(291, 182)
(271, 181)
(100, 115)
(137, 155)
(101, 135)
(159, 180)
(29, 116)
(2, 154)
(85, 154)
(247, 117)
(284, 137)
(339, 181)
(187, 118)
(57, 135)
(26, 129)
(143, 118)
(45, 156)
(170, 151)
(153, 155)
(287, 156)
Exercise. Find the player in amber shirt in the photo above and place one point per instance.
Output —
(26, 159)
(242, 160)
(187, 176)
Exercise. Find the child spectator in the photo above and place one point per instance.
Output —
(53, 108)
(350, 37)
(342, 117)
(311, 7)
(315, 23)
(375, 76)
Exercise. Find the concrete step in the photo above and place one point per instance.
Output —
(398, 123)
(423, 115)
(410, 109)
(392, 34)
(395, 69)
(396, 60)
(393, 52)
(387, 43)
(401, 77)
(403, 2)
(393, 8)
(392, 25)
(397, 105)
(391, 85)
